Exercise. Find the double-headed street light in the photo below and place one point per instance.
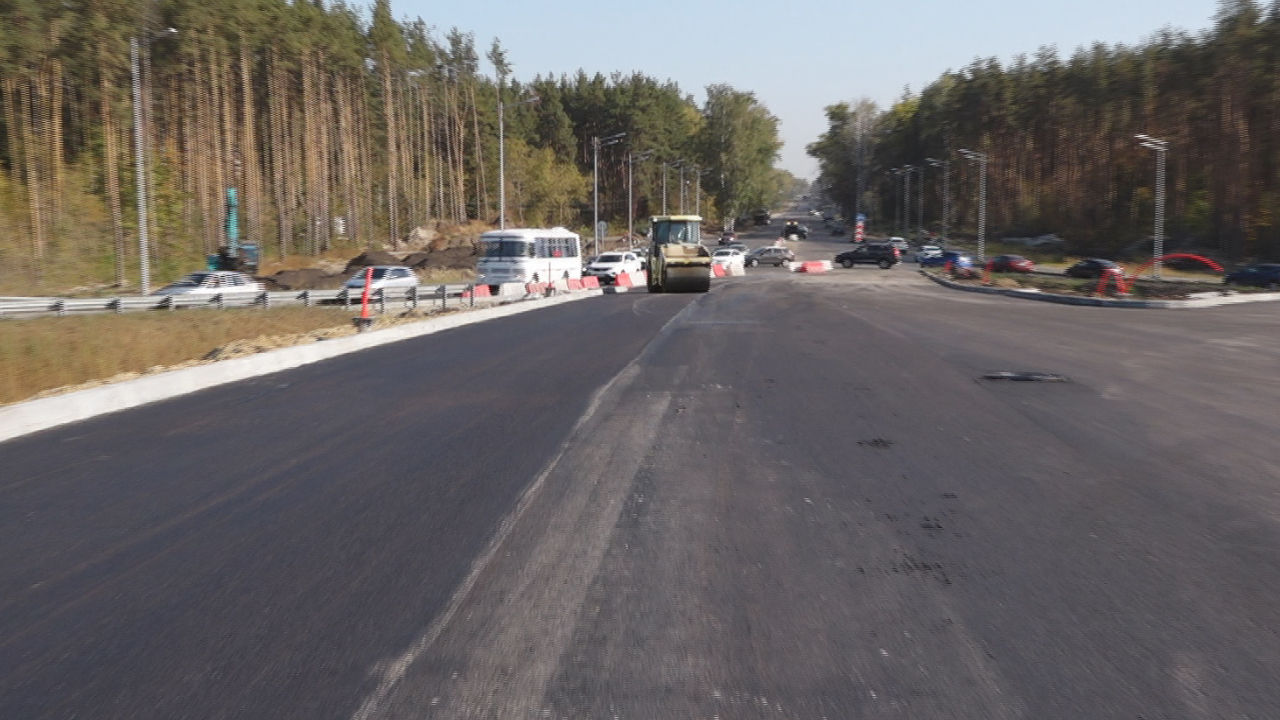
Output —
(1161, 147)
(981, 159)
(897, 204)
(946, 195)
(632, 159)
(597, 143)
(906, 204)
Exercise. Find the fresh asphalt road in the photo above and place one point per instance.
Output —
(792, 497)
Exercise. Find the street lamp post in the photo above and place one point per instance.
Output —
(1161, 147)
(631, 206)
(919, 172)
(981, 159)
(140, 157)
(502, 153)
(946, 196)
(897, 204)
(597, 143)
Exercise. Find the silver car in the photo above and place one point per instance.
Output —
(211, 282)
(384, 277)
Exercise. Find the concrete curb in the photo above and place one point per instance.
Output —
(35, 415)
(1107, 302)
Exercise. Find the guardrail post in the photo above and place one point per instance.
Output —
(265, 299)
(218, 300)
(471, 290)
(60, 306)
(413, 298)
(382, 301)
(168, 303)
(444, 296)
(306, 298)
(117, 305)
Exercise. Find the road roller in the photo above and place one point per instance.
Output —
(678, 261)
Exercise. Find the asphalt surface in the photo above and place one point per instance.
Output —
(792, 497)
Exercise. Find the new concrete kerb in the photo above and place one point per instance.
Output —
(1107, 302)
(36, 415)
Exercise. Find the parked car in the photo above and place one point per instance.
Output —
(941, 258)
(211, 282)
(607, 266)
(1090, 268)
(771, 255)
(927, 251)
(1012, 263)
(1264, 275)
(900, 243)
(883, 255)
(384, 277)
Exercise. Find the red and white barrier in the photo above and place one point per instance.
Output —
(591, 282)
(717, 270)
(814, 266)
(477, 291)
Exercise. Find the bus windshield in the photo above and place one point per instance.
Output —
(508, 248)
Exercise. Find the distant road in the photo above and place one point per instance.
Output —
(792, 497)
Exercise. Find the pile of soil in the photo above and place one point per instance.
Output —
(305, 279)
(453, 258)
(372, 257)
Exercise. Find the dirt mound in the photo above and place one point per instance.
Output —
(372, 257)
(454, 258)
(305, 279)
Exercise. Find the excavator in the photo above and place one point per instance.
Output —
(678, 261)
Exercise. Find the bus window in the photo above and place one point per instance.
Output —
(508, 248)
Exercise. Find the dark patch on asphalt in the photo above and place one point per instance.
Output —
(1026, 376)
(876, 443)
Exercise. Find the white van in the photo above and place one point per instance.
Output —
(524, 255)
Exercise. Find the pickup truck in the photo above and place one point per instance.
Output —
(882, 255)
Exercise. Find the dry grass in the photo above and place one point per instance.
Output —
(41, 354)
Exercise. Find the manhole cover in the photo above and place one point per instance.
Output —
(1026, 377)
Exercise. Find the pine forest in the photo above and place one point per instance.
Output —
(306, 126)
(1061, 153)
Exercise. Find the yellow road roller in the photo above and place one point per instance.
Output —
(678, 261)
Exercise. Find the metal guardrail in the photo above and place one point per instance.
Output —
(409, 299)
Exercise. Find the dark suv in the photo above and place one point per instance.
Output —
(883, 255)
(774, 256)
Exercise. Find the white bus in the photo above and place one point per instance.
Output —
(527, 255)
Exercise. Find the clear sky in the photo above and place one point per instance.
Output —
(799, 56)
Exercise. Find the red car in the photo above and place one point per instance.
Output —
(1012, 263)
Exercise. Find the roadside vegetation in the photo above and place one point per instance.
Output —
(43, 354)
(1058, 132)
(339, 129)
